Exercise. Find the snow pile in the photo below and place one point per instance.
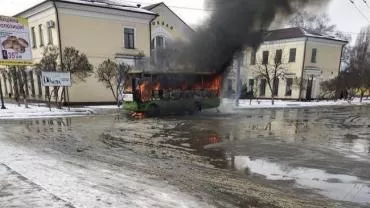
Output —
(13, 111)
(244, 104)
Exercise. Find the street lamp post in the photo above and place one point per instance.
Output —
(2, 97)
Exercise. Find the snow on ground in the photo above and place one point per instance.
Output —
(13, 111)
(52, 179)
(245, 104)
(103, 107)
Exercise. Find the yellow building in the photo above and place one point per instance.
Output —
(307, 59)
(100, 29)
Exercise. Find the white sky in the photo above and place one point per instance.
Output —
(342, 12)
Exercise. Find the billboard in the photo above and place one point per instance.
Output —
(15, 45)
(56, 79)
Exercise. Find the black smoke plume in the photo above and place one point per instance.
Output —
(234, 25)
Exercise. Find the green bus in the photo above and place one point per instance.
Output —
(166, 93)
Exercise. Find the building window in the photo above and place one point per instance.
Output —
(41, 36)
(289, 84)
(129, 38)
(159, 42)
(50, 36)
(265, 58)
(275, 87)
(251, 85)
(313, 55)
(263, 87)
(33, 37)
(253, 56)
(229, 85)
(292, 54)
(278, 56)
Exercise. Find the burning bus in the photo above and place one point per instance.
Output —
(158, 93)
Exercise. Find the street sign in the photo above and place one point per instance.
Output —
(56, 79)
(15, 45)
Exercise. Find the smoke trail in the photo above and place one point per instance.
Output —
(234, 25)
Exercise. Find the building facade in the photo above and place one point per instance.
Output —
(305, 59)
(99, 29)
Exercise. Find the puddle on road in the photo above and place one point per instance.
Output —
(335, 186)
(231, 144)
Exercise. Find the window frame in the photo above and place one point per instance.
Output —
(289, 88)
(263, 83)
(253, 56)
(41, 34)
(50, 35)
(251, 83)
(314, 55)
(280, 52)
(33, 37)
(265, 54)
(292, 59)
(124, 37)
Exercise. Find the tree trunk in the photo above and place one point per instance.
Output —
(272, 100)
(16, 86)
(48, 96)
(22, 86)
(62, 98)
(362, 94)
(10, 83)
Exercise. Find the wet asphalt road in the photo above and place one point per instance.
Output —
(317, 154)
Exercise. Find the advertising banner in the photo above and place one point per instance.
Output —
(56, 79)
(15, 45)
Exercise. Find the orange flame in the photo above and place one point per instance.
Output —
(212, 84)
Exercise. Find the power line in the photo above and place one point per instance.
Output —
(365, 2)
(358, 9)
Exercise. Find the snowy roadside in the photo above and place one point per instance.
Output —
(13, 111)
(245, 104)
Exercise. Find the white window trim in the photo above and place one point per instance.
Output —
(135, 42)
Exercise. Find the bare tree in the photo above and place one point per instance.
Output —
(78, 65)
(272, 73)
(112, 75)
(313, 22)
(360, 62)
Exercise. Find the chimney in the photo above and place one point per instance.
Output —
(138, 5)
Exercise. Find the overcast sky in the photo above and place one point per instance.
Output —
(342, 12)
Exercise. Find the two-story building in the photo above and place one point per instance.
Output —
(100, 29)
(307, 59)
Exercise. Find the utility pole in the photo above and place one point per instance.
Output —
(238, 80)
(2, 96)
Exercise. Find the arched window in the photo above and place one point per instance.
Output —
(159, 42)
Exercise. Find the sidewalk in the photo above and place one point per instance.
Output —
(35, 110)
(245, 104)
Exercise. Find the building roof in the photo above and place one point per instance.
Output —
(297, 32)
(108, 4)
(152, 6)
